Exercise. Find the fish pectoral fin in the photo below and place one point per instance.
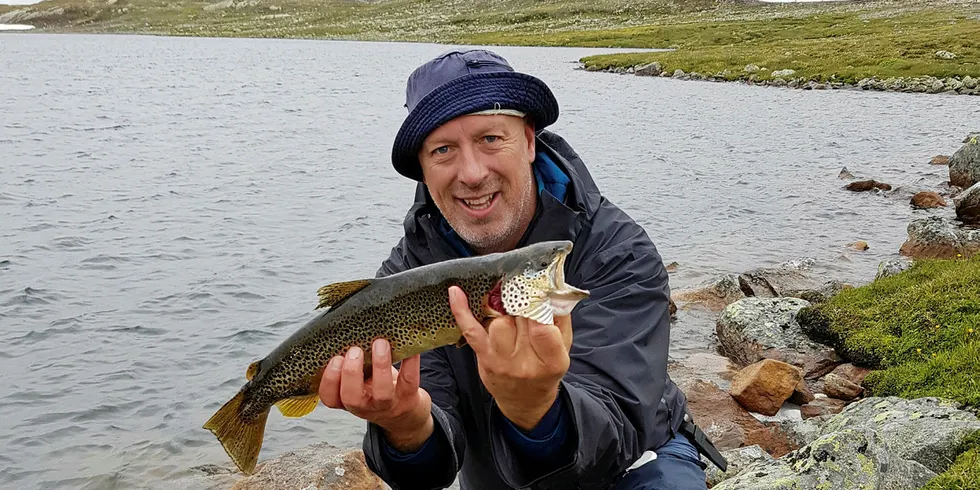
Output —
(252, 370)
(334, 294)
(298, 406)
(539, 310)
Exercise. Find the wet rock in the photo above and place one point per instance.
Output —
(964, 165)
(672, 308)
(753, 329)
(860, 245)
(927, 430)
(705, 366)
(319, 466)
(649, 70)
(845, 174)
(939, 237)
(788, 280)
(715, 295)
(727, 423)
(851, 458)
(927, 200)
(867, 185)
(939, 160)
(822, 406)
(672, 267)
(968, 205)
(839, 387)
(852, 373)
(206, 477)
(890, 267)
(738, 459)
(801, 394)
(763, 387)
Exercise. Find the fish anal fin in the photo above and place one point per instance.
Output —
(298, 406)
(334, 294)
(252, 370)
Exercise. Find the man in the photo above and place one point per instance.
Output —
(585, 403)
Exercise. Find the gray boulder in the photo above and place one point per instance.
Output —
(715, 294)
(968, 204)
(890, 267)
(927, 430)
(753, 329)
(790, 280)
(964, 165)
(939, 237)
(649, 70)
(851, 458)
(738, 459)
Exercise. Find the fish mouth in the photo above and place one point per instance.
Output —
(563, 296)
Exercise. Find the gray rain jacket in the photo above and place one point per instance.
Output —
(618, 373)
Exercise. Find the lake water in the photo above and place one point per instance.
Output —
(170, 206)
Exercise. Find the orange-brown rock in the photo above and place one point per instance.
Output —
(867, 185)
(727, 423)
(852, 373)
(936, 237)
(940, 160)
(319, 466)
(764, 386)
(860, 245)
(822, 406)
(927, 200)
(838, 387)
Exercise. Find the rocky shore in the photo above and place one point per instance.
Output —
(755, 75)
(812, 383)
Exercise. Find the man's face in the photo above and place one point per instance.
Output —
(478, 170)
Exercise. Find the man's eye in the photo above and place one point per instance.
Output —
(490, 138)
(442, 150)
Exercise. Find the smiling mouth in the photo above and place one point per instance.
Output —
(480, 203)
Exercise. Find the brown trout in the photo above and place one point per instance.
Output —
(410, 310)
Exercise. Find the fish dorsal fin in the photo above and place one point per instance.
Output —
(298, 406)
(333, 294)
(252, 370)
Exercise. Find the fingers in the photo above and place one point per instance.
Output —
(549, 345)
(330, 383)
(352, 379)
(408, 378)
(564, 323)
(471, 329)
(382, 381)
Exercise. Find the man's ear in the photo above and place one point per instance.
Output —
(529, 134)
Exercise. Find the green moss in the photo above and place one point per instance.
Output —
(964, 474)
(823, 47)
(919, 329)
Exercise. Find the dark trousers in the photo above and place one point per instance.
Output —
(677, 467)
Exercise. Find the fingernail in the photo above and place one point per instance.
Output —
(380, 345)
(354, 353)
(335, 363)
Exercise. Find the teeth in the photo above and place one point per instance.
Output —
(479, 203)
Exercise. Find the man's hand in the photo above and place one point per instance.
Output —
(391, 399)
(521, 362)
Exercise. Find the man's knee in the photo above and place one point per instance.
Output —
(672, 470)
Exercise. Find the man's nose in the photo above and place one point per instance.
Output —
(473, 171)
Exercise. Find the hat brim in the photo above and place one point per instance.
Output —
(466, 94)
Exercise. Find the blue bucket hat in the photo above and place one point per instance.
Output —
(462, 82)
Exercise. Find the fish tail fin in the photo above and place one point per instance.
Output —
(242, 440)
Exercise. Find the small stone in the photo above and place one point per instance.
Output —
(946, 55)
(890, 267)
(968, 205)
(801, 394)
(852, 373)
(764, 386)
(822, 406)
(867, 185)
(672, 267)
(927, 200)
(837, 386)
(845, 174)
(859, 245)
(939, 160)
(751, 68)
(649, 70)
